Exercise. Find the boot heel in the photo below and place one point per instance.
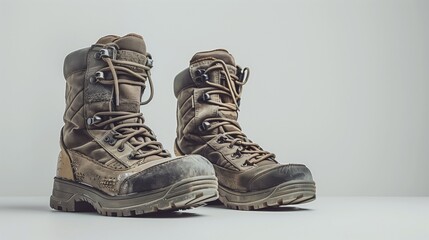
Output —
(63, 198)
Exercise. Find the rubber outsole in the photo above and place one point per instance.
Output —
(193, 192)
(288, 193)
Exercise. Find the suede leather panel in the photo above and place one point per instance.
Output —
(107, 179)
(64, 169)
(112, 149)
(74, 120)
(76, 62)
(182, 81)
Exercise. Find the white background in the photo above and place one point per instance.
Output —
(342, 86)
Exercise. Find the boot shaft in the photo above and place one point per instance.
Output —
(109, 158)
(105, 82)
(85, 70)
(194, 90)
(208, 96)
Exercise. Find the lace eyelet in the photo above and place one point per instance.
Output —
(220, 140)
(202, 76)
(205, 97)
(121, 148)
(92, 80)
(93, 120)
(99, 75)
(149, 62)
(246, 164)
(230, 146)
(200, 72)
(236, 154)
(110, 140)
(109, 52)
(204, 126)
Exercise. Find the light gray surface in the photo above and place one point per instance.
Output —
(326, 218)
(350, 80)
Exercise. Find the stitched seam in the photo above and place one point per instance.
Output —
(80, 108)
(184, 102)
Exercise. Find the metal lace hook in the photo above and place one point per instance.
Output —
(245, 75)
(149, 63)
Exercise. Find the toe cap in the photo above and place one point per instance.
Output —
(167, 173)
(280, 174)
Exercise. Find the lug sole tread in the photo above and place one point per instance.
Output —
(289, 193)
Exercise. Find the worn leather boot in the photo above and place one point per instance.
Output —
(208, 98)
(110, 160)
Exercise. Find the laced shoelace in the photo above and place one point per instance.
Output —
(235, 137)
(139, 135)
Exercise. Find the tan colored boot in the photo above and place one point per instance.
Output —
(110, 160)
(208, 96)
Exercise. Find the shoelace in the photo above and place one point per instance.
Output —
(235, 137)
(139, 135)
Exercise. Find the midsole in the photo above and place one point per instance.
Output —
(71, 191)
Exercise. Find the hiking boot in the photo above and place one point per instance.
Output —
(208, 98)
(110, 160)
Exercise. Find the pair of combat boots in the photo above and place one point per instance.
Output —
(110, 160)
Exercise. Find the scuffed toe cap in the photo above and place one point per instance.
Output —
(167, 173)
(280, 174)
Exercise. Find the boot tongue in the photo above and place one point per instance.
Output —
(220, 54)
(131, 42)
(129, 95)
